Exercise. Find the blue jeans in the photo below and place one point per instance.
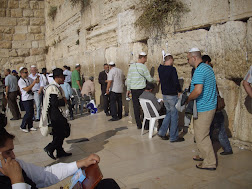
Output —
(29, 113)
(38, 100)
(171, 117)
(218, 123)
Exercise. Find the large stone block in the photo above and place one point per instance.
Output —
(249, 42)
(226, 44)
(28, 13)
(30, 59)
(17, 60)
(34, 29)
(30, 36)
(4, 4)
(203, 13)
(8, 37)
(23, 52)
(13, 4)
(40, 58)
(39, 36)
(240, 9)
(41, 43)
(37, 21)
(5, 45)
(21, 44)
(5, 21)
(13, 53)
(23, 21)
(24, 4)
(34, 4)
(36, 51)
(21, 29)
(39, 13)
(19, 37)
(9, 30)
(2, 12)
(16, 13)
(41, 4)
(4, 53)
(35, 44)
(1, 36)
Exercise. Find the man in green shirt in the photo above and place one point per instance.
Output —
(76, 78)
(136, 82)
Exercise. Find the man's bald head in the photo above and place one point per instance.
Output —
(195, 54)
(194, 58)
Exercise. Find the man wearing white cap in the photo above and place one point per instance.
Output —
(170, 88)
(76, 79)
(37, 90)
(203, 89)
(115, 90)
(136, 82)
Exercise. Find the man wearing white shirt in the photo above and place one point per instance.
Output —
(25, 85)
(68, 74)
(37, 90)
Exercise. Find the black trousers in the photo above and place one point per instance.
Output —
(116, 105)
(12, 101)
(136, 105)
(107, 184)
(106, 103)
(29, 113)
(70, 107)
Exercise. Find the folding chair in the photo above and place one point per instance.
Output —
(147, 115)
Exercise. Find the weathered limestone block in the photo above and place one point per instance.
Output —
(21, 44)
(5, 44)
(41, 43)
(111, 54)
(8, 37)
(124, 56)
(19, 37)
(2, 12)
(21, 29)
(23, 21)
(30, 36)
(4, 53)
(30, 59)
(39, 36)
(39, 13)
(37, 21)
(203, 13)
(240, 9)
(226, 45)
(249, 42)
(243, 118)
(12, 4)
(13, 53)
(40, 58)
(8, 30)
(41, 4)
(17, 60)
(5, 21)
(28, 13)
(34, 29)
(23, 52)
(16, 13)
(1, 37)
(34, 4)
(35, 44)
(24, 4)
(36, 51)
(4, 4)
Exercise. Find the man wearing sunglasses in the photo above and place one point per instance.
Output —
(25, 84)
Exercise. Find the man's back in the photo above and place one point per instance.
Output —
(150, 96)
(11, 82)
(88, 87)
(116, 75)
(76, 77)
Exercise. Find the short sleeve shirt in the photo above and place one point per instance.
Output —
(11, 82)
(37, 86)
(76, 77)
(204, 75)
(117, 77)
(248, 76)
(23, 83)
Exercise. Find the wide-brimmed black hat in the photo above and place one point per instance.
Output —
(57, 72)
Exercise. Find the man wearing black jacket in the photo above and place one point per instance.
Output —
(103, 81)
(170, 88)
(54, 105)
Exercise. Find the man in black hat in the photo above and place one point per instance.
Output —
(54, 106)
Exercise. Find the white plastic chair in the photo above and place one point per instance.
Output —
(147, 115)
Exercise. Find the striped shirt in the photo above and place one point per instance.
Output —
(137, 75)
(248, 76)
(204, 75)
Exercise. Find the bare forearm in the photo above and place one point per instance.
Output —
(109, 85)
(78, 83)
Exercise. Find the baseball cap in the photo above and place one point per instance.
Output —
(14, 71)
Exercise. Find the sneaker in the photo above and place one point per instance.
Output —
(33, 129)
(24, 130)
(178, 140)
(226, 153)
(164, 137)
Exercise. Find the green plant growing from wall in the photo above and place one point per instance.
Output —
(52, 12)
(157, 13)
(82, 3)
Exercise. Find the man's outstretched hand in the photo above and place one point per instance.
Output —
(11, 168)
(90, 160)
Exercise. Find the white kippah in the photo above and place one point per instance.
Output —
(194, 49)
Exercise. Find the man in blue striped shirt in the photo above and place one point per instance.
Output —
(203, 89)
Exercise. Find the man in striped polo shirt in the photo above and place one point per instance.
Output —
(136, 82)
(203, 89)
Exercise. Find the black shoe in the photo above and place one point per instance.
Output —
(63, 154)
(139, 127)
(114, 119)
(50, 154)
(12, 119)
(108, 114)
(164, 137)
(226, 153)
(209, 169)
(37, 120)
(178, 140)
(71, 118)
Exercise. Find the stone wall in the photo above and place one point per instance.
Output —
(104, 31)
(22, 29)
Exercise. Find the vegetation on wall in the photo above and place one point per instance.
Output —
(52, 12)
(81, 3)
(157, 13)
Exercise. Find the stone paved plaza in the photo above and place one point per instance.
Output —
(135, 161)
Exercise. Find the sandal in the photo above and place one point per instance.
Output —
(197, 158)
(205, 168)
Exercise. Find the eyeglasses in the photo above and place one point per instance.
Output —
(25, 72)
